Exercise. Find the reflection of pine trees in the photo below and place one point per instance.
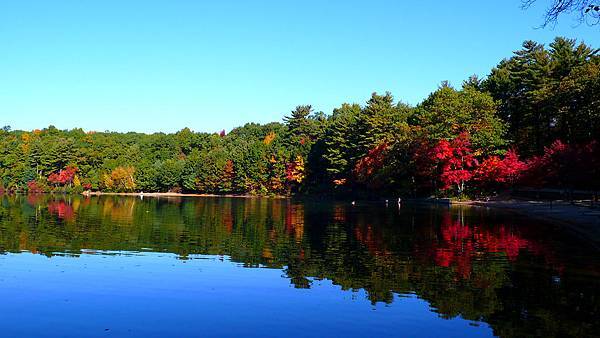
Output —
(462, 262)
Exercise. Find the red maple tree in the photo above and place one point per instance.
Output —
(63, 177)
(455, 161)
(368, 165)
(33, 187)
(497, 172)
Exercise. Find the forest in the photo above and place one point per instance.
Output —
(533, 121)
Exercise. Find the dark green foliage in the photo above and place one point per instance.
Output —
(339, 141)
(548, 94)
(448, 112)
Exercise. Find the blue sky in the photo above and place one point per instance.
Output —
(210, 65)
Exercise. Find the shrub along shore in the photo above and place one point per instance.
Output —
(533, 121)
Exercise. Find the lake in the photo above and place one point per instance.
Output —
(115, 266)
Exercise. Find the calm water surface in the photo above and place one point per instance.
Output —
(121, 266)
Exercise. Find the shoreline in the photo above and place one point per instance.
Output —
(176, 194)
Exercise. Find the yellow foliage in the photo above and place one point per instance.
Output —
(108, 182)
(296, 170)
(26, 138)
(120, 179)
(76, 204)
(276, 184)
(269, 138)
(267, 253)
(76, 181)
(300, 163)
(299, 169)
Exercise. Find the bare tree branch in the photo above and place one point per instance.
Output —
(587, 11)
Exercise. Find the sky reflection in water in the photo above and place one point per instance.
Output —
(115, 266)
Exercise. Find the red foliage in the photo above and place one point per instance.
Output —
(511, 167)
(575, 166)
(372, 238)
(87, 186)
(450, 163)
(294, 220)
(33, 187)
(53, 178)
(547, 166)
(367, 166)
(489, 171)
(35, 199)
(222, 133)
(62, 209)
(454, 161)
(494, 171)
(63, 177)
(460, 244)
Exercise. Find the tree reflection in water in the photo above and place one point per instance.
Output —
(521, 276)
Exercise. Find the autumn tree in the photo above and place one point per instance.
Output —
(227, 178)
(495, 172)
(367, 168)
(448, 164)
(63, 177)
(295, 171)
(121, 179)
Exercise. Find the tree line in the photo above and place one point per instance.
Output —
(533, 121)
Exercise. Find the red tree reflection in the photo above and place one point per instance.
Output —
(460, 244)
(372, 239)
(61, 209)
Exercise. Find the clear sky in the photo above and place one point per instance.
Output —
(128, 65)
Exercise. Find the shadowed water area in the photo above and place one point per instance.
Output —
(115, 266)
